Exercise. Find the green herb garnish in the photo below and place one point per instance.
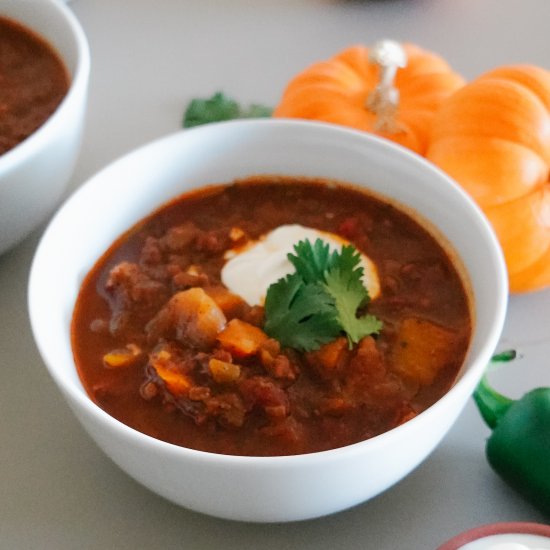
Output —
(504, 356)
(320, 301)
(219, 107)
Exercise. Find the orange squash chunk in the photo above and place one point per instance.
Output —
(176, 382)
(122, 357)
(241, 339)
(329, 355)
(223, 372)
(226, 300)
(422, 349)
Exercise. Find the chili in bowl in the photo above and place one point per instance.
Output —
(45, 65)
(282, 321)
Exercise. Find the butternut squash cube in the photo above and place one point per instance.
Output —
(422, 349)
(241, 339)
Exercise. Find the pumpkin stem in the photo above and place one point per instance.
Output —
(383, 101)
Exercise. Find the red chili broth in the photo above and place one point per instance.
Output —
(283, 402)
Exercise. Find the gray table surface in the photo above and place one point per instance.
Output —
(149, 58)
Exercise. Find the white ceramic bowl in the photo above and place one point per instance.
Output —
(259, 488)
(35, 173)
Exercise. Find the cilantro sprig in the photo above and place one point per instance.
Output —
(320, 301)
(220, 107)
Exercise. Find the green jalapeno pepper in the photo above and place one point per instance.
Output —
(519, 447)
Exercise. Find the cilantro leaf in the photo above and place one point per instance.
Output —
(220, 107)
(320, 301)
(344, 283)
(301, 316)
(256, 110)
(311, 261)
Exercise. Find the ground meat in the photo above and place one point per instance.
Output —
(133, 295)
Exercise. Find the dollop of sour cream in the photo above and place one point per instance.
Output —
(250, 270)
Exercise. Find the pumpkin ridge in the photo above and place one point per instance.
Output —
(536, 79)
(492, 170)
(526, 239)
(357, 60)
(495, 107)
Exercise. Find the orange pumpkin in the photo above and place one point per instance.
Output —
(338, 90)
(493, 137)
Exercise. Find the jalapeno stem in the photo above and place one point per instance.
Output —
(491, 404)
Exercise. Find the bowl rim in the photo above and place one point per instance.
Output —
(83, 399)
(77, 86)
(490, 529)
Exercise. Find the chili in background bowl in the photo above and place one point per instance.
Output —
(262, 489)
(35, 173)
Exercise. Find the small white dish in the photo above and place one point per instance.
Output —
(502, 536)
